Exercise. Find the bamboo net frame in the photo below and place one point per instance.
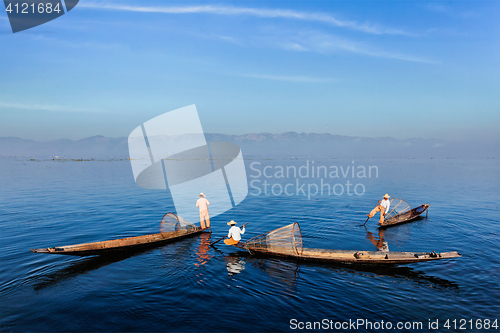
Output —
(399, 210)
(287, 239)
(173, 223)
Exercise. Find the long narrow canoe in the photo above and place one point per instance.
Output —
(354, 257)
(287, 242)
(404, 217)
(173, 228)
(118, 245)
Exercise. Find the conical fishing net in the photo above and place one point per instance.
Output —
(399, 210)
(173, 223)
(287, 239)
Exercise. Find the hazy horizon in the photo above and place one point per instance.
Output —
(463, 140)
(61, 125)
(289, 144)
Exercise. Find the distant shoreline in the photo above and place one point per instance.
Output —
(287, 145)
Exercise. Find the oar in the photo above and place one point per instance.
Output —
(366, 221)
(212, 244)
(368, 217)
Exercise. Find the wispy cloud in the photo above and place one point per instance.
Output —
(313, 41)
(229, 39)
(218, 37)
(258, 12)
(287, 78)
(41, 107)
(450, 11)
(438, 8)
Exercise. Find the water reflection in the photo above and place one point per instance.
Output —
(379, 243)
(202, 256)
(79, 267)
(202, 253)
(234, 265)
(409, 274)
(286, 273)
(88, 264)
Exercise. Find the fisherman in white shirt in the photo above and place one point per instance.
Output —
(382, 207)
(202, 203)
(234, 235)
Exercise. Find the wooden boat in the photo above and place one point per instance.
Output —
(287, 242)
(172, 228)
(404, 217)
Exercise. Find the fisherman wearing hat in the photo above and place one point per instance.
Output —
(203, 204)
(234, 235)
(382, 207)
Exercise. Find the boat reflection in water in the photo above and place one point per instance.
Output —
(76, 268)
(283, 272)
(379, 243)
(202, 256)
(92, 263)
(234, 265)
(202, 252)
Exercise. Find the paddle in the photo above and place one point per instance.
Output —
(365, 221)
(212, 244)
(368, 216)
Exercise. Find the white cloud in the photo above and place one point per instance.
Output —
(438, 8)
(229, 39)
(287, 78)
(259, 12)
(450, 11)
(314, 41)
(301, 42)
(294, 47)
(44, 107)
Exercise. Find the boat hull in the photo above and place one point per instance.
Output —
(120, 245)
(408, 217)
(355, 257)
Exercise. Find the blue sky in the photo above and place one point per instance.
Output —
(362, 68)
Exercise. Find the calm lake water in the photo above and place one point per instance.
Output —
(189, 287)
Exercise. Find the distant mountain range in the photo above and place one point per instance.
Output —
(289, 144)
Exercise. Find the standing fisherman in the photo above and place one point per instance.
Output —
(203, 204)
(234, 235)
(382, 207)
